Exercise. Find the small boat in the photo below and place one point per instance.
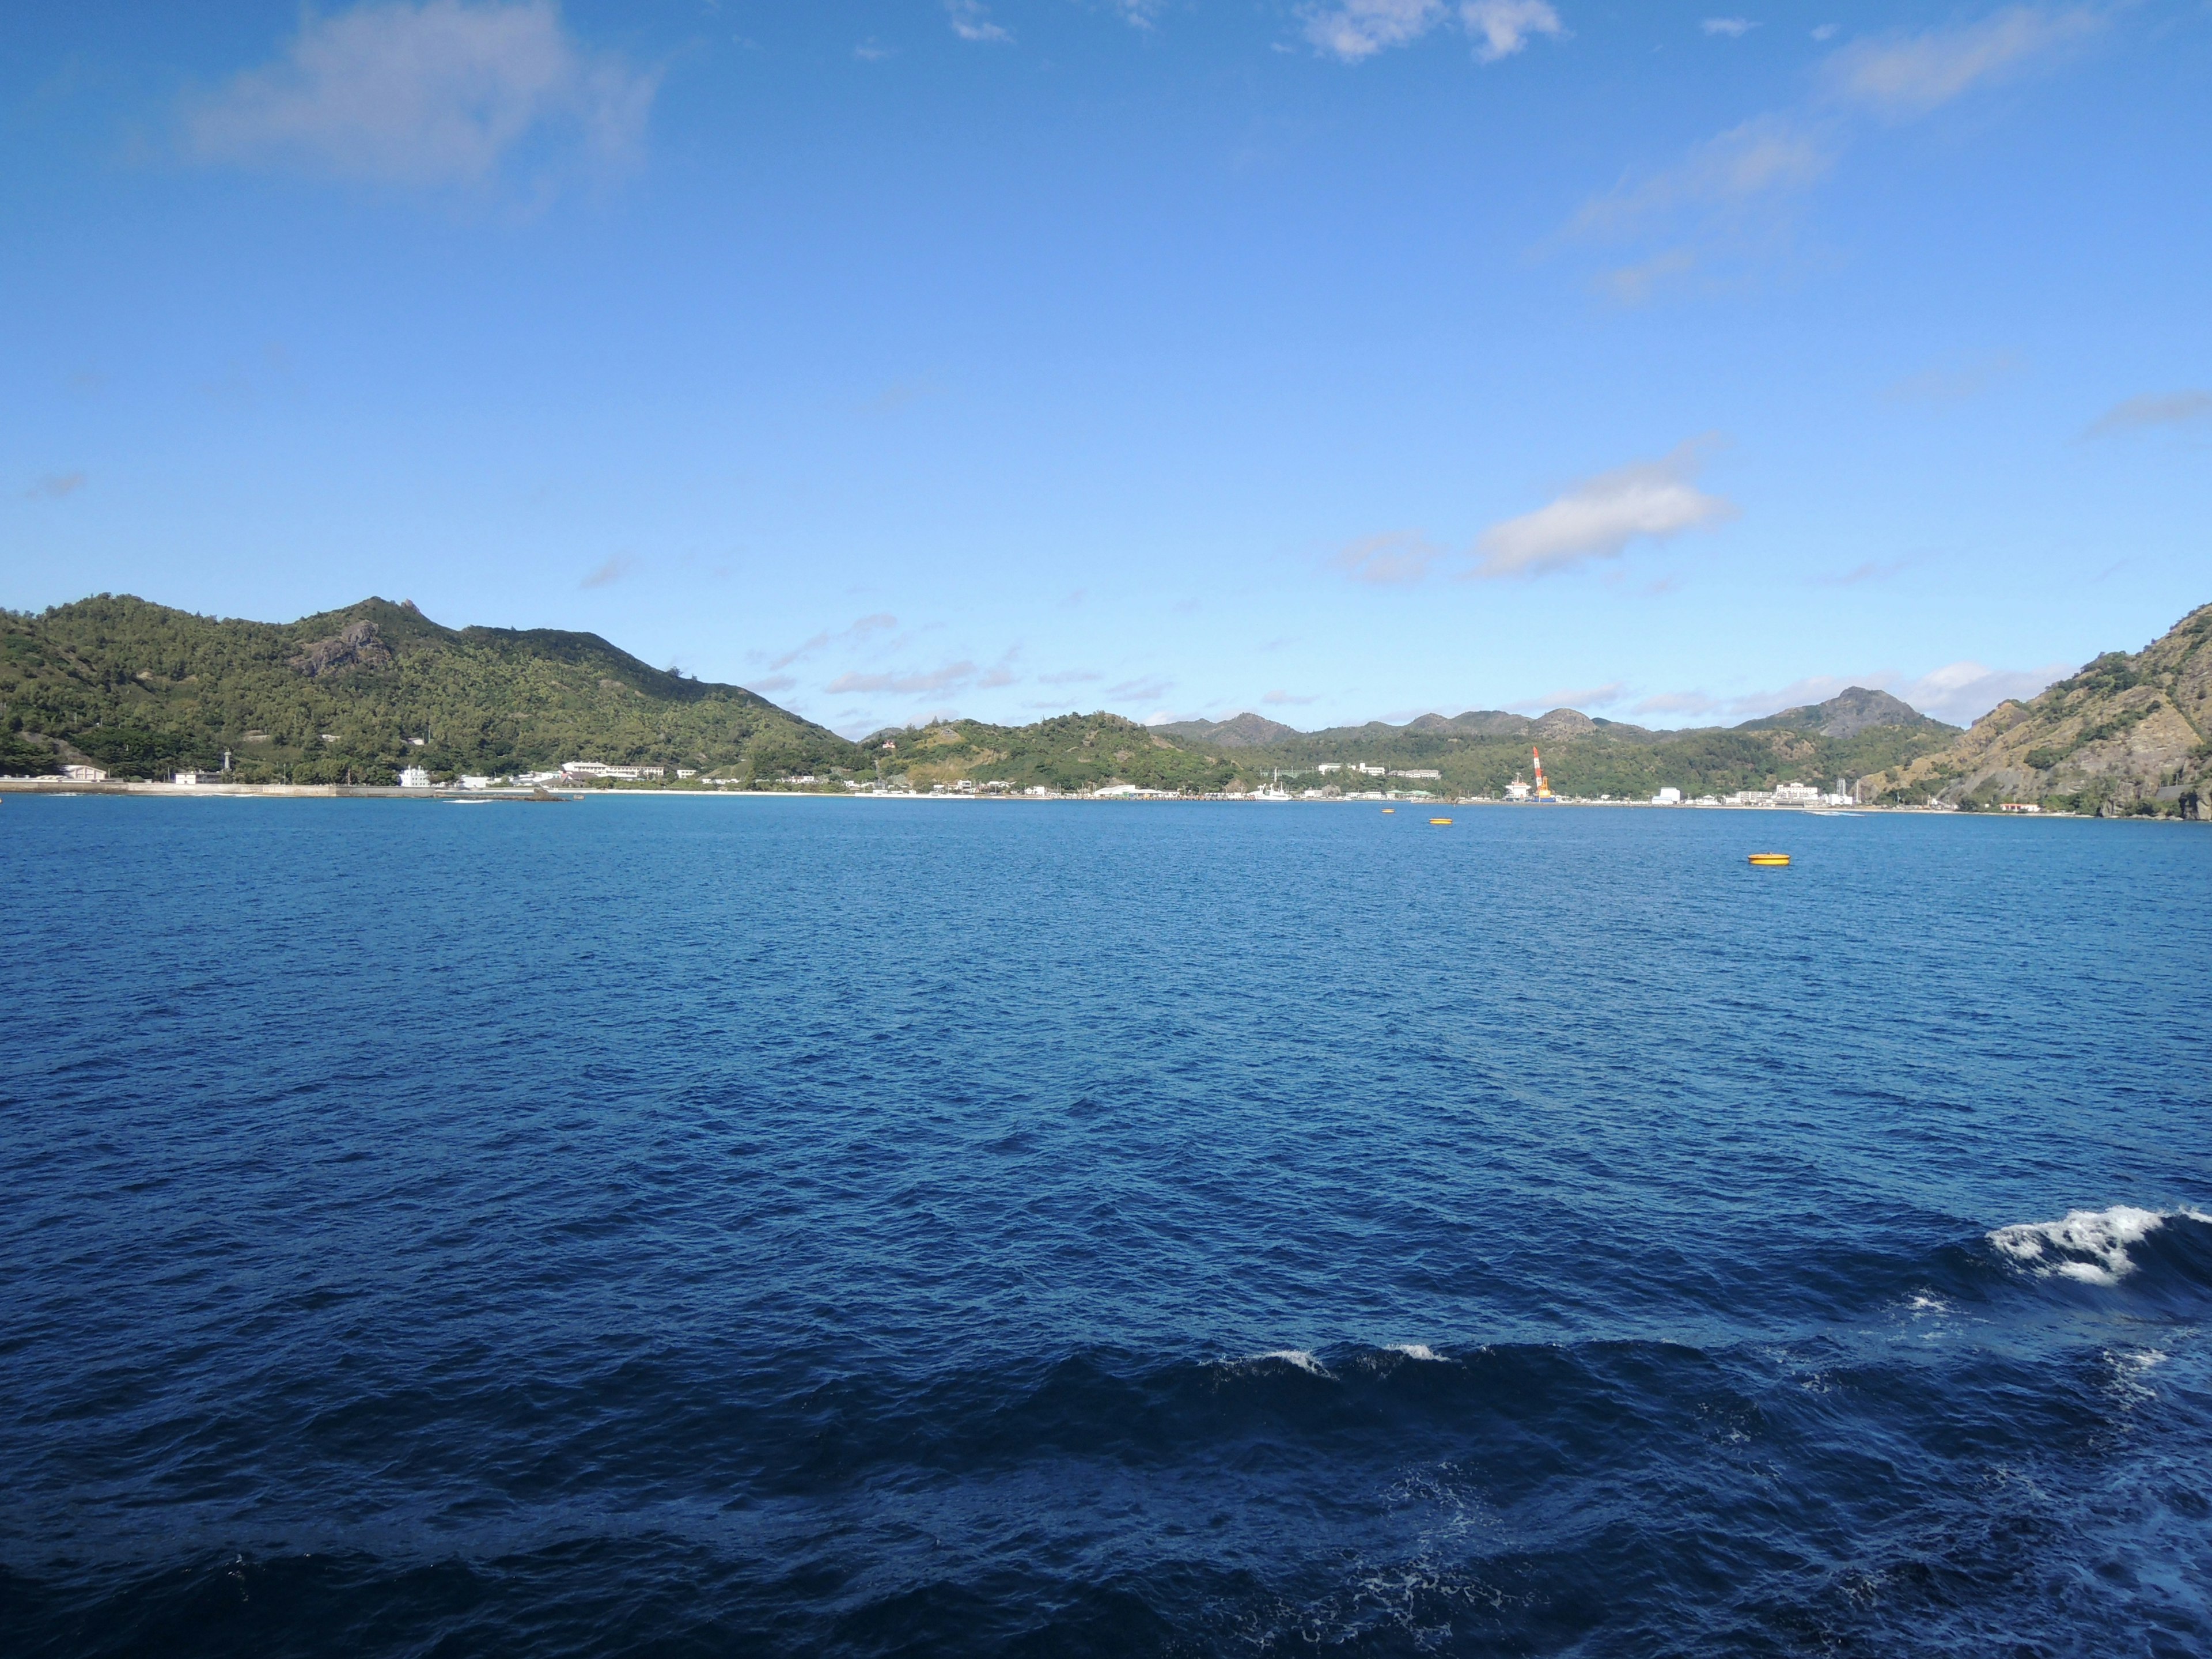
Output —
(1770, 860)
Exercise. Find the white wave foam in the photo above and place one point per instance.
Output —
(2090, 1245)
(1417, 1351)
(1298, 1357)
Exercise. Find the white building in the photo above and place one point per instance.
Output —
(1419, 772)
(1797, 794)
(1115, 789)
(1669, 796)
(1516, 790)
(414, 777)
(470, 781)
(84, 774)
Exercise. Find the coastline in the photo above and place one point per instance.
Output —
(146, 790)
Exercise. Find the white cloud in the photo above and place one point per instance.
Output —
(438, 93)
(1150, 689)
(2160, 409)
(1734, 27)
(772, 682)
(1394, 557)
(1502, 26)
(1070, 677)
(1765, 156)
(1725, 200)
(1579, 696)
(1677, 702)
(872, 50)
(860, 628)
(1960, 693)
(1907, 75)
(1952, 385)
(1600, 516)
(1360, 28)
(971, 21)
(1354, 29)
(951, 676)
(1284, 698)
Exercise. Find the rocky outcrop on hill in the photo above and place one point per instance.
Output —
(357, 647)
(2125, 736)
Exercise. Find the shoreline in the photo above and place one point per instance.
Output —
(151, 790)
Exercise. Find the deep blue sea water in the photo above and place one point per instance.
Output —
(698, 1226)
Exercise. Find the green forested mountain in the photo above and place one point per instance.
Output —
(142, 690)
(1067, 752)
(345, 696)
(1479, 752)
(2127, 735)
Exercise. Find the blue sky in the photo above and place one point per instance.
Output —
(1000, 357)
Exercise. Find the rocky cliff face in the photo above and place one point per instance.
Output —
(2126, 735)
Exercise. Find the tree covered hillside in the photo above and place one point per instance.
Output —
(1068, 752)
(143, 691)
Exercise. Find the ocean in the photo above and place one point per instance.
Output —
(672, 1225)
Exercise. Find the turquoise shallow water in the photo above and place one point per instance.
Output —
(682, 1226)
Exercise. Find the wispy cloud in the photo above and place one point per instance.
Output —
(55, 485)
(1734, 28)
(608, 574)
(1598, 518)
(1286, 699)
(1070, 677)
(1958, 692)
(1502, 28)
(971, 21)
(1677, 702)
(1767, 156)
(1726, 203)
(1872, 571)
(859, 630)
(1578, 697)
(772, 682)
(951, 677)
(1952, 385)
(1151, 689)
(1907, 74)
(1396, 557)
(438, 93)
(1352, 30)
(2139, 414)
(872, 50)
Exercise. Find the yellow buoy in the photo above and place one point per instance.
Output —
(1770, 859)
(1439, 820)
(1387, 811)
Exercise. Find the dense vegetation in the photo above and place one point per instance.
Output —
(1067, 752)
(351, 696)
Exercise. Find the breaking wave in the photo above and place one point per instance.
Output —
(2089, 1245)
